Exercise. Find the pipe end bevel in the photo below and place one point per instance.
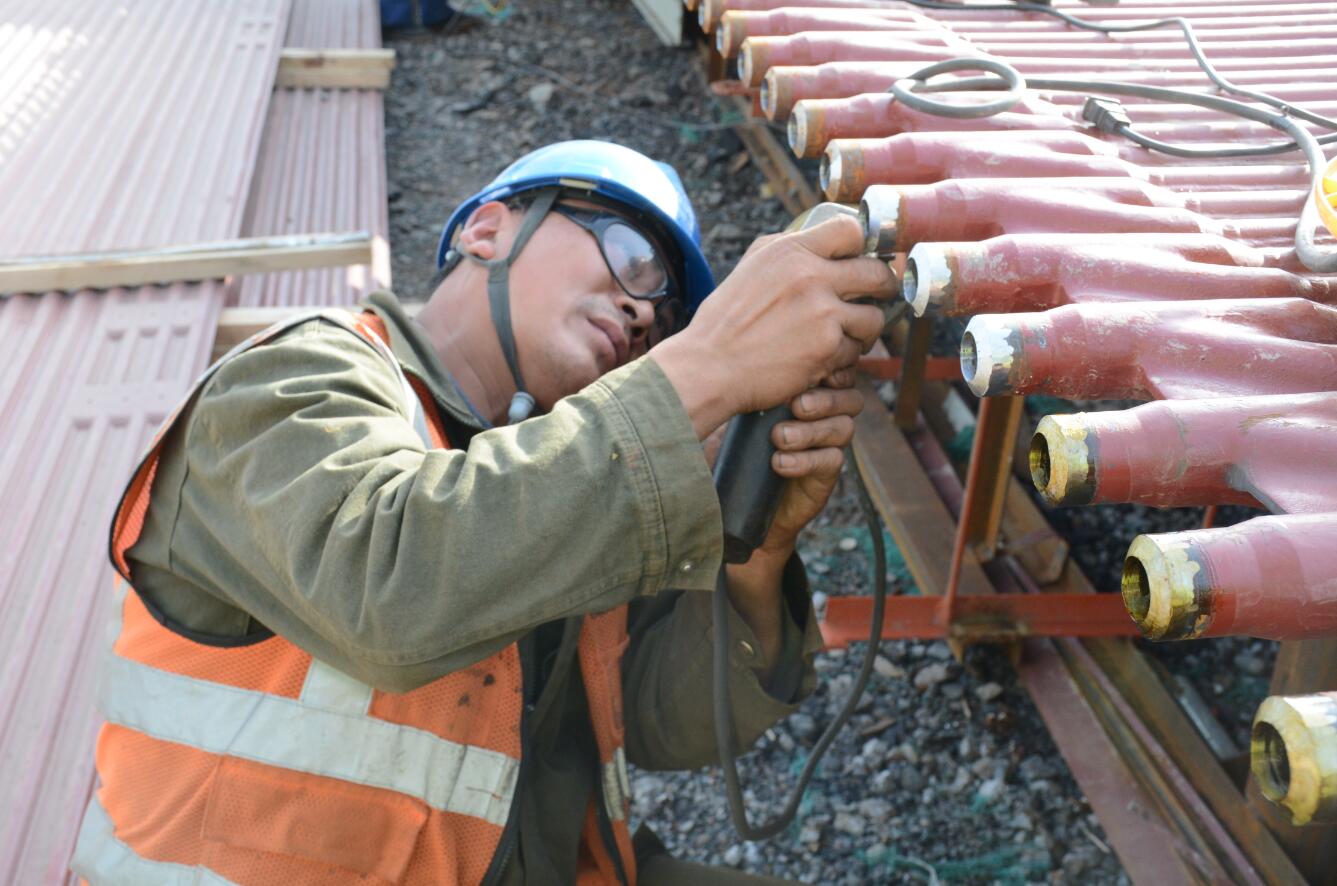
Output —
(1293, 754)
(1062, 460)
(879, 211)
(933, 283)
(1164, 587)
(990, 351)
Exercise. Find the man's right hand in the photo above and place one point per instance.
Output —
(779, 324)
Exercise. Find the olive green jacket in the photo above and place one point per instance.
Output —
(295, 497)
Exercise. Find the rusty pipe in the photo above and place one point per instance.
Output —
(884, 41)
(794, 79)
(867, 120)
(979, 209)
(1293, 754)
(1252, 451)
(1152, 350)
(1268, 577)
(708, 12)
(1034, 272)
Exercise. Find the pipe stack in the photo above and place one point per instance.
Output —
(1093, 268)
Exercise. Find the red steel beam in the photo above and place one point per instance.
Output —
(1000, 616)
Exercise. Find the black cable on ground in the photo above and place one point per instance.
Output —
(723, 703)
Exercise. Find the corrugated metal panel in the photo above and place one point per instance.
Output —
(322, 166)
(121, 125)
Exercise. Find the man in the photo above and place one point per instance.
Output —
(378, 633)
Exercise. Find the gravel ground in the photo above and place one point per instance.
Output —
(946, 771)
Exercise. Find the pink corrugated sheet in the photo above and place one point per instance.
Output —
(321, 167)
(121, 125)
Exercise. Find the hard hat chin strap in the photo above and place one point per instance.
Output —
(499, 297)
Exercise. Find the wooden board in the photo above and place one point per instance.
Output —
(171, 264)
(335, 68)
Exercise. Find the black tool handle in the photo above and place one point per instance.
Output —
(749, 489)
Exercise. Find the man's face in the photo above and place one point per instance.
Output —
(571, 319)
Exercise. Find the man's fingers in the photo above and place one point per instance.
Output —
(823, 464)
(863, 323)
(825, 402)
(856, 277)
(838, 237)
(841, 378)
(798, 436)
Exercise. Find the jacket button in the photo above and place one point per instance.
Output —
(745, 647)
(687, 566)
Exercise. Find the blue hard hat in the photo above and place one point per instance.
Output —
(612, 172)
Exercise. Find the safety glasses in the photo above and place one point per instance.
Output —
(633, 260)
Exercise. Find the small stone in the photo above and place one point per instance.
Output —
(818, 601)
(988, 692)
(907, 752)
(1250, 664)
(1022, 822)
(885, 668)
(952, 691)
(875, 809)
(803, 726)
(540, 94)
(930, 675)
(960, 781)
(939, 650)
(911, 780)
(810, 836)
(820, 567)
(875, 749)
(991, 790)
(848, 823)
(752, 854)
(848, 544)
(733, 856)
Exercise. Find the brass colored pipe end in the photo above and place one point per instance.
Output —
(1164, 587)
(841, 174)
(1062, 467)
(1294, 754)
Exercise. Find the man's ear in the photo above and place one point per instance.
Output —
(479, 236)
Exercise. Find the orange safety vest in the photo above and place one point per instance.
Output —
(260, 764)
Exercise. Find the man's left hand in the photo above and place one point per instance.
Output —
(809, 452)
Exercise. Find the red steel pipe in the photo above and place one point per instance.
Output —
(1267, 577)
(1268, 451)
(1152, 350)
(847, 619)
(876, 41)
(900, 216)
(1036, 272)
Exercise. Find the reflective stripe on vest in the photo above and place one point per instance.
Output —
(102, 859)
(303, 726)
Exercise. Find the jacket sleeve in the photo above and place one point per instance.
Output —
(668, 675)
(309, 502)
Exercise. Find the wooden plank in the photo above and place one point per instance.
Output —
(1303, 666)
(774, 160)
(335, 68)
(916, 517)
(910, 387)
(235, 325)
(991, 464)
(1127, 812)
(170, 264)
